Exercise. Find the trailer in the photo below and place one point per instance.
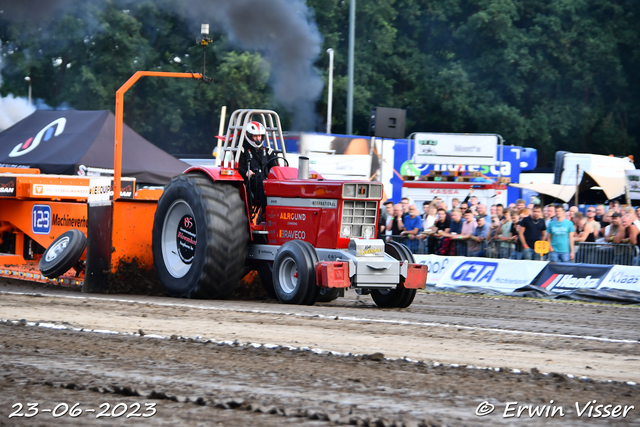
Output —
(39, 211)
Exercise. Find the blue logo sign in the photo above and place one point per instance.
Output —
(475, 271)
(41, 219)
(45, 134)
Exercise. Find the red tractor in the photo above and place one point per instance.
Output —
(315, 238)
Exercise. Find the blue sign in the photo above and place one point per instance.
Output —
(475, 271)
(514, 161)
(41, 219)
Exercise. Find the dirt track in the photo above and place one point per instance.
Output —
(543, 340)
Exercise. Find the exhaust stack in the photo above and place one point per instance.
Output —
(303, 167)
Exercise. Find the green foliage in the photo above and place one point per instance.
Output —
(545, 74)
(552, 74)
(81, 57)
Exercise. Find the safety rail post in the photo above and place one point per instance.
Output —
(117, 161)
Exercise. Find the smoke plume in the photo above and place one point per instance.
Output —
(290, 41)
(12, 110)
(283, 31)
(33, 10)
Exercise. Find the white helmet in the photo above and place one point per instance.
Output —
(255, 134)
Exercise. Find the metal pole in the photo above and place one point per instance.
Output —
(577, 184)
(330, 90)
(28, 80)
(352, 36)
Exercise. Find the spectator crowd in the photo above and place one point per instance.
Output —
(470, 228)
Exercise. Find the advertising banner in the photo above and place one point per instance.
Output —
(622, 277)
(502, 275)
(438, 265)
(633, 183)
(7, 186)
(561, 277)
(460, 149)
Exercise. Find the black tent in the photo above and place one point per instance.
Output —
(59, 142)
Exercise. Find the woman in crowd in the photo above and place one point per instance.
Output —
(431, 217)
(584, 233)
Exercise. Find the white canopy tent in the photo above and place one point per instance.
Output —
(562, 192)
(612, 187)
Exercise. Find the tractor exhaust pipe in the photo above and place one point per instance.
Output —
(303, 167)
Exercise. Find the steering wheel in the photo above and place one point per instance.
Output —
(276, 158)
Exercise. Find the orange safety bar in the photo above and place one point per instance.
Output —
(117, 161)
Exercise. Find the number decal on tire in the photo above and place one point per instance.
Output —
(186, 238)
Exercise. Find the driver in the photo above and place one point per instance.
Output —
(255, 162)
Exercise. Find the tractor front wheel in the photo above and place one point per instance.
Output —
(398, 297)
(200, 233)
(294, 274)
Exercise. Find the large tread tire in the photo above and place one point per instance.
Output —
(62, 254)
(294, 278)
(408, 294)
(213, 266)
(399, 297)
(313, 290)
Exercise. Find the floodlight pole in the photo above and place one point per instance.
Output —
(352, 37)
(577, 184)
(28, 80)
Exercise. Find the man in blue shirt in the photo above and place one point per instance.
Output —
(560, 234)
(412, 226)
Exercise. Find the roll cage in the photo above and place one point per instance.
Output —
(237, 130)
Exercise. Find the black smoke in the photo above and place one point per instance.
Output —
(36, 11)
(283, 31)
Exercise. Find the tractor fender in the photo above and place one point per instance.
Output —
(215, 174)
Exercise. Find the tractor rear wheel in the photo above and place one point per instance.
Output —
(398, 297)
(294, 274)
(200, 233)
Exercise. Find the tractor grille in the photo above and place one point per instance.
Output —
(359, 218)
(358, 190)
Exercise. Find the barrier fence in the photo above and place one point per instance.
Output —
(585, 252)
